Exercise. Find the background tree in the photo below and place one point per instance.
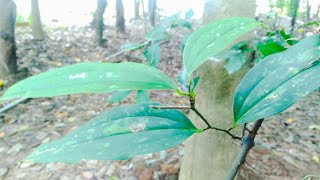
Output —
(120, 23)
(8, 59)
(152, 6)
(136, 9)
(36, 25)
(210, 155)
(293, 12)
(98, 21)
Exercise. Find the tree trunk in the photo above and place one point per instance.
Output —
(294, 6)
(210, 155)
(99, 26)
(120, 23)
(136, 9)
(152, 6)
(8, 59)
(308, 10)
(36, 25)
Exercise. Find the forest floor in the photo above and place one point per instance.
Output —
(287, 147)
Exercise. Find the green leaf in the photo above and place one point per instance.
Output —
(183, 79)
(278, 81)
(288, 38)
(194, 83)
(172, 20)
(157, 34)
(93, 77)
(235, 62)
(185, 24)
(270, 48)
(213, 38)
(152, 54)
(142, 97)
(118, 96)
(189, 14)
(119, 134)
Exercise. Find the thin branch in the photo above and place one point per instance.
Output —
(225, 131)
(247, 144)
(170, 107)
(11, 105)
(212, 127)
(201, 116)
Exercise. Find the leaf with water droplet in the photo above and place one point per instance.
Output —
(119, 134)
(212, 39)
(92, 77)
(278, 81)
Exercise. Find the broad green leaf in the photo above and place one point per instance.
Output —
(152, 54)
(157, 34)
(213, 38)
(93, 77)
(118, 96)
(270, 48)
(119, 134)
(278, 81)
(142, 97)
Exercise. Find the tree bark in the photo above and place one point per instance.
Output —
(136, 9)
(8, 58)
(152, 6)
(99, 25)
(120, 23)
(210, 155)
(36, 24)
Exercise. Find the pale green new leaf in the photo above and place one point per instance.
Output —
(212, 39)
(93, 77)
(119, 134)
(278, 81)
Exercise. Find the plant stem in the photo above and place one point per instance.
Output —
(170, 107)
(201, 116)
(247, 144)
(223, 130)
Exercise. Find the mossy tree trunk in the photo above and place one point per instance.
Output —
(120, 22)
(8, 59)
(98, 21)
(36, 24)
(209, 155)
(152, 6)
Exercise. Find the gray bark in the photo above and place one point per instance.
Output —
(99, 25)
(152, 6)
(210, 155)
(8, 59)
(120, 22)
(36, 24)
